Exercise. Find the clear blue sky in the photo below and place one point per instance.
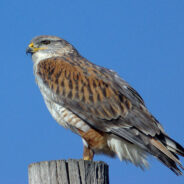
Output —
(143, 40)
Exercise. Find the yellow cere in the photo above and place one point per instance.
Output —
(31, 44)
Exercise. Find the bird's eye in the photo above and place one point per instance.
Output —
(45, 42)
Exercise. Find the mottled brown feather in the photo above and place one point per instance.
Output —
(85, 88)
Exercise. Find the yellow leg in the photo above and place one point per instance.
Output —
(87, 154)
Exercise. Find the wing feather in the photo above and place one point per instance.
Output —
(95, 95)
(107, 103)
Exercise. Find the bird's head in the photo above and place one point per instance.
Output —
(42, 47)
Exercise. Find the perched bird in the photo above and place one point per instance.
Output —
(99, 106)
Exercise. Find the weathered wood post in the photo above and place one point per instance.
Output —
(68, 172)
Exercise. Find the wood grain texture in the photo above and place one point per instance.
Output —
(68, 172)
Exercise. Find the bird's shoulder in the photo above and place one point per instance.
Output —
(66, 70)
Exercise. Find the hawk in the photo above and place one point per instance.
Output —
(98, 105)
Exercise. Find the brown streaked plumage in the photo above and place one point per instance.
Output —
(99, 106)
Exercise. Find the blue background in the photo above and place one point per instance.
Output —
(143, 40)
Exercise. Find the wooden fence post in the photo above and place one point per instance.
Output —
(68, 172)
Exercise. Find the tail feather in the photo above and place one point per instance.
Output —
(164, 150)
(174, 146)
(171, 144)
(169, 163)
(168, 150)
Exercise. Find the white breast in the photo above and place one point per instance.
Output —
(65, 117)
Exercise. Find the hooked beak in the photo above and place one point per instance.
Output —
(32, 49)
(29, 51)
